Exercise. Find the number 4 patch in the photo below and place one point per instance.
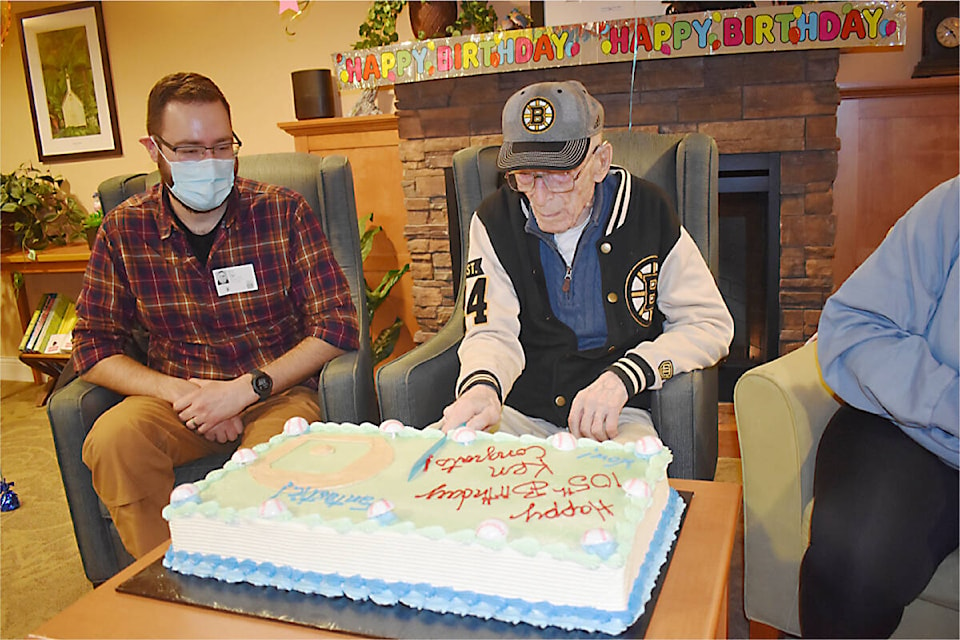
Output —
(477, 301)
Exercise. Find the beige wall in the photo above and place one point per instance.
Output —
(244, 47)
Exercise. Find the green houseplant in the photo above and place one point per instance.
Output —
(36, 211)
(386, 340)
(90, 225)
(380, 27)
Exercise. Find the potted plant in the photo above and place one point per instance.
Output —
(380, 27)
(36, 211)
(477, 15)
(427, 19)
(90, 225)
(386, 340)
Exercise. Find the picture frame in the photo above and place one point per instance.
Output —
(69, 82)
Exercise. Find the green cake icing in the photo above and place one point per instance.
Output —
(547, 498)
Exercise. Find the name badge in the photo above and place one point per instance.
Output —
(235, 279)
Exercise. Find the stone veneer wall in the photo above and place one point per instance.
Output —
(750, 103)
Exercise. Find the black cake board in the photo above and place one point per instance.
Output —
(352, 616)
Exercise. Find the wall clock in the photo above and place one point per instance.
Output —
(940, 51)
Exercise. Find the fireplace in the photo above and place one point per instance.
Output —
(774, 117)
(749, 212)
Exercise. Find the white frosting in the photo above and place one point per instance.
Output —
(244, 456)
(296, 426)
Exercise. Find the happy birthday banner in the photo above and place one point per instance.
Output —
(828, 25)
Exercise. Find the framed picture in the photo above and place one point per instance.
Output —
(69, 83)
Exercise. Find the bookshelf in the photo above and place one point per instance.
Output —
(71, 258)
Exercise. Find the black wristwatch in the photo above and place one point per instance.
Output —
(262, 384)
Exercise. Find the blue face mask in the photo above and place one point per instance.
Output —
(202, 185)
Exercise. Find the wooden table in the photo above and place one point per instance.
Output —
(692, 603)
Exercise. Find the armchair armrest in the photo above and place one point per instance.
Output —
(417, 386)
(684, 410)
(346, 388)
(72, 410)
(782, 408)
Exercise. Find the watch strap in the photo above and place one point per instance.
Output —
(262, 384)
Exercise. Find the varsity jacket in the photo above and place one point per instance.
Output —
(664, 314)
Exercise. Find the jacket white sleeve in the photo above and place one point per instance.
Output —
(490, 350)
(697, 328)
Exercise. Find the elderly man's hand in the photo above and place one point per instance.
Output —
(595, 411)
(478, 408)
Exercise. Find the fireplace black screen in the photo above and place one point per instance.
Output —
(749, 212)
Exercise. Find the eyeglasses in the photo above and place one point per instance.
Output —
(554, 181)
(195, 152)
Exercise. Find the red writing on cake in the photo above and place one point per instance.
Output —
(579, 483)
(575, 484)
(568, 510)
(486, 496)
(516, 462)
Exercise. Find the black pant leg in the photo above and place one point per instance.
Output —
(884, 517)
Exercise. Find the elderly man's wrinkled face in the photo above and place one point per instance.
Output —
(559, 199)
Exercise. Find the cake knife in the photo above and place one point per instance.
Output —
(420, 465)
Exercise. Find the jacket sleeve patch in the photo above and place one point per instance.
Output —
(473, 269)
(666, 369)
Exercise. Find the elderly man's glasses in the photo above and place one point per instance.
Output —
(554, 181)
(196, 152)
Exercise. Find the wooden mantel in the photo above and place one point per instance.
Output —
(333, 126)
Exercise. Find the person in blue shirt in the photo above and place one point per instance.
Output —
(886, 482)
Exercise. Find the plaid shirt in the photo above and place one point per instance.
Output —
(142, 273)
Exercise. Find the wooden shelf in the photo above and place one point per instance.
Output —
(51, 364)
(71, 258)
(353, 124)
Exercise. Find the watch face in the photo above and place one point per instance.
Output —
(262, 384)
(948, 32)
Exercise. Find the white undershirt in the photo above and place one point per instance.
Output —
(567, 240)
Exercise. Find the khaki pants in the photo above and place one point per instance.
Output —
(133, 448)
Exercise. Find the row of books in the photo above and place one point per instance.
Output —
(51, 326)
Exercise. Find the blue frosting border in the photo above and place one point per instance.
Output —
(446, 600)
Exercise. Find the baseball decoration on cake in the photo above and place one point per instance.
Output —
(468, 523)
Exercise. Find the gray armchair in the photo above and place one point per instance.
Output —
(346, 391)
(416, 387)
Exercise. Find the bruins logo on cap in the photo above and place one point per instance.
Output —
(538, 115)
(642, 290)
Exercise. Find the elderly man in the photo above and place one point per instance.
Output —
(583, 291)
(243, 300)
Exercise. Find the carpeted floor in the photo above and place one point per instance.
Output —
(40, 569)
